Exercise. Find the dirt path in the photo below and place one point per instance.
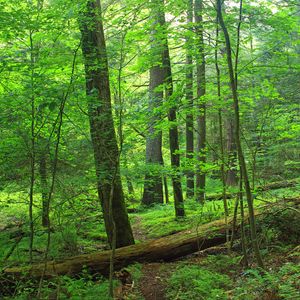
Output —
(139, 232)
(153, 284)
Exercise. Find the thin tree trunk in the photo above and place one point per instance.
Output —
(232, 178)
(201, 118)
(32, 154)
(173, 130)
(243, 234)
(231, 174)
(103, 135)
(241, 157)
(189, 125)
(223, 174)
(166, 190)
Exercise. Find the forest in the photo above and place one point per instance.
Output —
(150, 149)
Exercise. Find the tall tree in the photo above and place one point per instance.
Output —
(153, 187)
(189, 124)
(103, 135)
(201, 113)
(173, 129)
(240, 152)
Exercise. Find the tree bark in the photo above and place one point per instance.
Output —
(153, 187)
(189, 124)
(103, 135)
(201, 90)
(173, 129)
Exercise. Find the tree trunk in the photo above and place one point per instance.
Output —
(103, 135)
(153, 187)
(173, 129)
(201, 118)
(240, 152)
(231, 176)
(221, 142)
(189, 125)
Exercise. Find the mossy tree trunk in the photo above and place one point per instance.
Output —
(103, 135)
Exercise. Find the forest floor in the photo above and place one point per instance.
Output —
(211, 274)
(222, 272)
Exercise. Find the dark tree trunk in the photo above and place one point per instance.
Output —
(173, 135)
(168, 83)
(189, 125)
(153, 186)
(103, 135)
(201, 118)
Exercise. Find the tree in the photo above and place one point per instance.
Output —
(189, 123)
(153, 188)
(201, 113)
(241, 157)
(103, 136)
(173, 129)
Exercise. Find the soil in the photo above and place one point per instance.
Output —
(153, 282)
(139, 232)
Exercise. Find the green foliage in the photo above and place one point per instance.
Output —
(257, 284)
(65, 287)
(282, 226)
(193, 282)
(85, 288)
(222, 263)
(159, 220)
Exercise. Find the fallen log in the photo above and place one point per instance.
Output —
(163, 249)
(262, 188)
(166, 248)
(276, 185)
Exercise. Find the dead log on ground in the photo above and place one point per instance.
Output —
(163, 249)
(166, 248)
